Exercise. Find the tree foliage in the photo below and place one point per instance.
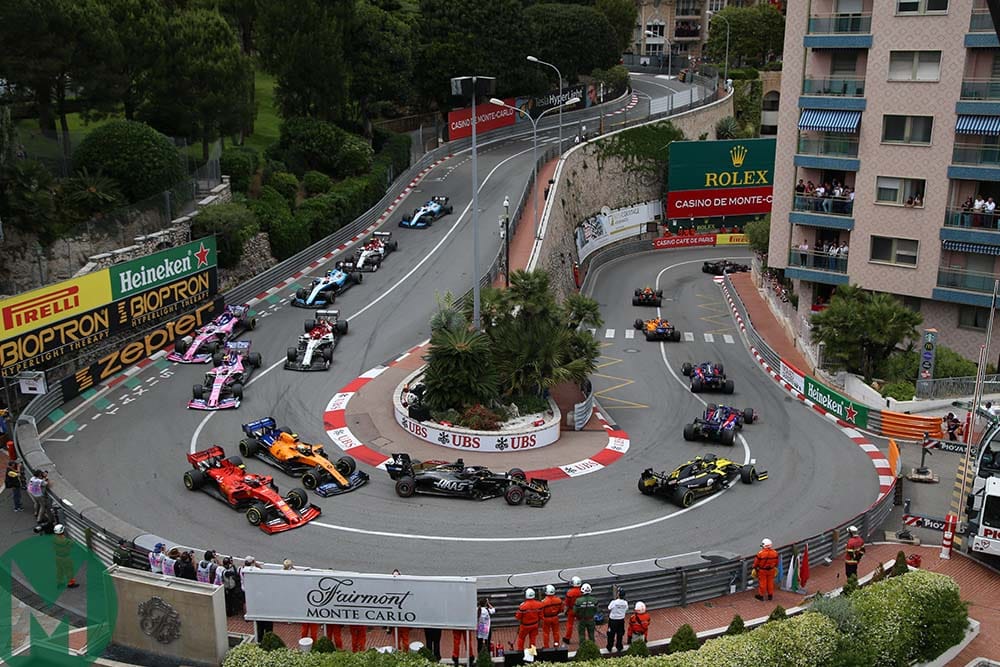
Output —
(623, 16)
(756, 35)
(758, 233)
(736, 626)
(586, 40)
(140, 30)
(382, 59)
(87, 195)
(460, 370)
(684, 639)
(140, 159)
(859, 328)
(904, 365)
(232, 224)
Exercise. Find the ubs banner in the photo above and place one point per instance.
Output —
(345, 598)
(44, 325)
(716, 178)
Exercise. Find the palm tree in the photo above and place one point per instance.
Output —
(460, 370)
(91, 194)
(581, 310)
(727, 128)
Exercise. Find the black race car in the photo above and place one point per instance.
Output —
(723, 266)
(699, 477)
(707, 376)
(457, 480)
(720, 423)
(647, 296)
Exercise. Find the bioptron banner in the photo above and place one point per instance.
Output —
(44, 325)
(609, 226)
(720, 178)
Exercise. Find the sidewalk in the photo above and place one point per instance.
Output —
(766, 324)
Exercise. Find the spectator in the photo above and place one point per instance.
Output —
(169, 562)
(854, 552)
(529, 614)
(989, 210)
(38, 487)
(638, 622)
(156, 558)
(484, 630)
(402, 633)
(359, 638)
(977, 211)
(967, 212)
(14, 481)
(287, 564)
(231, 587)
(585, 609)
(765, 565)
(185, 567)
(909, 202)
(918, 200)
(616, 621)
(334, 634)
(953, 426)
(207, 567)
(803, 252)
(456, 645)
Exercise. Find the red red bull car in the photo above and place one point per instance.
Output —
(226, 479)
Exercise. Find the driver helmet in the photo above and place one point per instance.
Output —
(585, 589)
(250, 481)
(469, 471)
(711, 458)
(304, 449)
(529, 594)
(550, 590)
(225, 317)
(640, 607)
(577, 581)
(766, 543)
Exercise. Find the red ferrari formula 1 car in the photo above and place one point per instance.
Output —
(226, 479)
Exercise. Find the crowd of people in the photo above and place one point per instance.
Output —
(979, 212)
(211, 569)
(826, 197)
(831, 255)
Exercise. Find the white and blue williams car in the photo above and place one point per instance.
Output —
(436, 208)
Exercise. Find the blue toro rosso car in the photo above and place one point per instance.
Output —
(719, 423)
(707, 376)
(436, 208)
(324, 291)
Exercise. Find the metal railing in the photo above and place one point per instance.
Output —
(976, 154)
(583, 409)
(980, 89)
(840, 24)
(824, 205)
(972, 281)
(838, 87)
(958, 387)
(818, 261)
(832, 146)
(978, 220)
(981, 21)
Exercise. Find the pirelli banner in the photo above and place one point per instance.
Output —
(720, 178)
(41, 327)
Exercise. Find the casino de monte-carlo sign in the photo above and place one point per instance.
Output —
(708, 179)
(348, 598)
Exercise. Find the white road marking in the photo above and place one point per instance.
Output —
(630, 333)
(689, 336)
(709, 338)
(593, 332)
(66, 439)
(193, 447)
(610, 333)
(728, 338)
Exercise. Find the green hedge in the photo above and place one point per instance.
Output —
(251, 655)
(316, 183)
(240, 163)
(307, 144)
(286, 184)
(232, 224)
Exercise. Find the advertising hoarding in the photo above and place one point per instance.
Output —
(161, 267)
(488, 117)
(348, 598)
(695, 241)
(609, 226)
(720, 178)
(841, 407)
(47, 305)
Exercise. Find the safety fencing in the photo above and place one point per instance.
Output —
(585, 408)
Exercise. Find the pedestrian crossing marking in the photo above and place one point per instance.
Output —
(728, 338)
(688, 336)
(610, 333)
(630, 333)
(709, 338)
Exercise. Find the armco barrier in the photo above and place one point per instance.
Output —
(667, 581)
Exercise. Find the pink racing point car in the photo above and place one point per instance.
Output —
(223, 386)
(207, 340)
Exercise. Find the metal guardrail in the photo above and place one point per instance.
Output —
(585, 408)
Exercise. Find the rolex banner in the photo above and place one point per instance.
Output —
(347, 598)
(720, 178)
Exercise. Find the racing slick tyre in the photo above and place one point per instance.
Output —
(448, 209)
(235, 461)
(749, 415)
(194, 479)
(341, 327)
(211, 346)
(696, 385)
(392, 246)
(728, 437)
(659, 294)
(256, 513)
(248, 448)
(297, 499)
(292, 354)
(198, 392)
(686, 369)
(638, 322)
(327, 356)
(688, 433)
(309, 325)
(635, 300)
(405, 486)
(314, 478)
(682, 497)
(181, 345)
(356, 278)
(251, 323)
(346, 466)
(514, 495)
(217, 358)
(636, 293)
(329, 296)
(675, 336)
(238, 391)
(301, 294)
(728, 387)
(254, 360)
(748, 474)
(517, 473)
(643, 489)
(651, 336)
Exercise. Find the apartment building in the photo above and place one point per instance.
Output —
(892, 107)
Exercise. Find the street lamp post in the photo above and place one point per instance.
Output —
(559, 74)
(725, 76)
(534, 148)
(670, 52)
(506, 241)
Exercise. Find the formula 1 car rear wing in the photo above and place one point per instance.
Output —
(382, 235)
(238, 345)
(256, 428)
(206, 457)
(328, 315)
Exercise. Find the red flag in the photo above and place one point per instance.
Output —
(804, 567)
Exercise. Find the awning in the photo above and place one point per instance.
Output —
(819, 120)
(984, 125)
(979, 248)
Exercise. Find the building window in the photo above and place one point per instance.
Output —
(973, 317)
(654, 49)
(894, 251)
(914, 65)
(656, 30)
(900, 191)
(716, 5)
(921, 6)
(907, 129)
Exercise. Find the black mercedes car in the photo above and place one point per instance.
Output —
(457, 480)
(699, 477)
(723, 266)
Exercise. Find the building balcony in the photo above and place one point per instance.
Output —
(976, 154)
(840, 24)
(824, 205)
(688, 10)
(968, 281)
(981, 34)
(817, 268)
(687, 34)
(981, 89)
(837, 87)
(840, 147)
(981, 20)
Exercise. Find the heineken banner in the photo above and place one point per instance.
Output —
(162, 267)
(837, 405)
(719, 178)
